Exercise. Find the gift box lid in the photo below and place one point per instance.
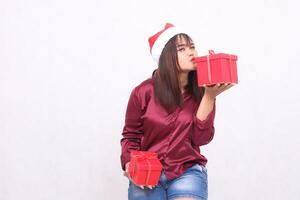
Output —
(212, 56)
(143, 159)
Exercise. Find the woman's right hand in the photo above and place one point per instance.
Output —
(126, 173)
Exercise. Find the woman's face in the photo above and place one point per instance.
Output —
(186, 52)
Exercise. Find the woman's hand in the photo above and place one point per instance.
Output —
(126, 173)
(212, 91)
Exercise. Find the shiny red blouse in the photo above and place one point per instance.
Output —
(176, 137)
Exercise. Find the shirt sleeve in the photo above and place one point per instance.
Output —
(132, 131)
(204, 129)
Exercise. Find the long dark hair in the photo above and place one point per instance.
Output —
(166, 77)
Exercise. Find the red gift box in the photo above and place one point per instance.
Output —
(144, 168)
(216, 68)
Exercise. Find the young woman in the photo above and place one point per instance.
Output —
(170, 115)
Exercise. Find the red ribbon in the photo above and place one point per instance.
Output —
(211, 52)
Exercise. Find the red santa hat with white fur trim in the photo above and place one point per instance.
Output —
(158, 41)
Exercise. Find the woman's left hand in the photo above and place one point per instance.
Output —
(214, 90)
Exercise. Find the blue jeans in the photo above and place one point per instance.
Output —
(191, 184)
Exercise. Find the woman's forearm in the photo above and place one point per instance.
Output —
(205, 107)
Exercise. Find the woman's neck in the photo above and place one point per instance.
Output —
(183, 81)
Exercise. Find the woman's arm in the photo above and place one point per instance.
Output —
(204, 120)
(206, 106)
(132, 131)
(208, 99)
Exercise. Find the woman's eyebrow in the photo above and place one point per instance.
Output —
(184, 45)
(181, 45)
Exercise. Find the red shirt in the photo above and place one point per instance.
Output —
(176, 137)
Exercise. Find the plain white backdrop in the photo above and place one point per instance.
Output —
(67, 68)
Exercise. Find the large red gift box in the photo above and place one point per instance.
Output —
(144, 168)
(216, 68)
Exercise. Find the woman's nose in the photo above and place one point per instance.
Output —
(191, 52)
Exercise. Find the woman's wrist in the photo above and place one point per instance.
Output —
(205, 107)
(208, 97)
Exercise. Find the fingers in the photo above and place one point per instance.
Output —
(141, 186)
(148, 186)
(125, 173)
(215, 86)
(218, 88)
(224, 87)
(228, 85)
(144, 187)
(209, 86)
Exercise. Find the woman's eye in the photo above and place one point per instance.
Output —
(192, 47)
(181, 49)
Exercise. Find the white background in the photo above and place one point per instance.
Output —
(67, 68)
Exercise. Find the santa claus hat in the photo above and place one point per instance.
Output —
(158, 41)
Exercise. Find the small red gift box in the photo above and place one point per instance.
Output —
(144, 168)
(216, 68)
